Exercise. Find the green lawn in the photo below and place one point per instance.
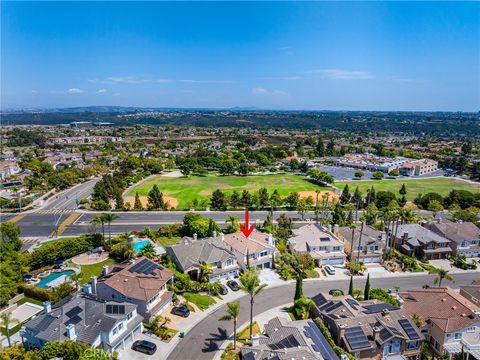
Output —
(414, 186)
(185, 189)
(201, 301)
(167, 241)
(93, 270)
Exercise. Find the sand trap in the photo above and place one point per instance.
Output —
(332, 195)
(173, 174)
(172, 202)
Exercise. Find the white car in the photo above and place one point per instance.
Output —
(330, 269)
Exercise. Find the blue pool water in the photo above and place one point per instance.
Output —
(139, 245)
(53, 276)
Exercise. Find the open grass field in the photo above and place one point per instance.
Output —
(185, 189)
(414, 186)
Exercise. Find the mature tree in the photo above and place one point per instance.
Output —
(418, 320)
(275, 199)
(359, 174)
(250, 284)
(366, 291)
(138, 204)
(76, 277)
(218, 201)
(293, 199)
(235, 201)
(155, 198)
(346, 196)
(205, 271)
(232, 313)
(298, 287)
(302, 207)
(338, 215)
(233, 226)
(350, 286)
(9, 238)
(246, 199)
(263, 197)
(100, 220)
(403, 190)
(378, 175)
(109, 218)
(119, 203)
(6, 320)
(435, 207)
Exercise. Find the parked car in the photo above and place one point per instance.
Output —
(144, 346)
(223, 290)
(181, 311)
(336, 291)
(330, 269)
(232, 284)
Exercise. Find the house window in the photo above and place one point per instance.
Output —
(471, 329)
(412, 345)
(264, 253)
(458, 336)
(129, 316)
(229, 262)
(337, 248)
(120, 326)
(464, 243)
(115, 331)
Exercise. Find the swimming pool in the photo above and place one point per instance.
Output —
(55, 279)
(139, 245)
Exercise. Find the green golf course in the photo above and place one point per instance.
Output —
(414, 187)
(186, 189)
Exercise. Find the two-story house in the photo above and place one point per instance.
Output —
(109, 325)
(320, 243)
(189, 254)
(259, 247)
(451, 322)
(366, 245)
(471, 292)
(416, 240)
(464, 236)
(142, 282)
(369, 329)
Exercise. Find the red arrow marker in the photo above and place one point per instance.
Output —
(246, 230)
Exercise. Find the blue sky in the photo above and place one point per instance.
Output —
(284, 55)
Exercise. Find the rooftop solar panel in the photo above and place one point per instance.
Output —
(356, 338)
(320, 344)
(319, 300)
(407, 326)
(377, 308)
(352, 303)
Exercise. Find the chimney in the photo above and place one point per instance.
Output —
(214, 233)
(195, 236)
(71, 331)
(405, 238)
(329, 227)
(429, 222)
(341, 330)
(376, 333)
(255, 340)
(105, 270)
(87, 288)
(93, 281)
(439, 220)
(270, 239)
(222, 236)
(460, 221)
(47, 307)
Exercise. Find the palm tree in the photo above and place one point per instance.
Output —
(250, 284)
(362, 219)
(232, 219)
(100, 220)
(7, 320)
(148, 251)
(418, 320)
(396, 288)
(442, 274)
(205, 270)
(317, 192)
(109, 218)
(76, 278)
(233, 310)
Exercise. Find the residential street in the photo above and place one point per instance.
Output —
(202, 342)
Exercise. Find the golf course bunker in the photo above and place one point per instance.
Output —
(172, 202)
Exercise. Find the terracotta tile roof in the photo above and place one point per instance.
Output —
(447, 309)
(134, 284)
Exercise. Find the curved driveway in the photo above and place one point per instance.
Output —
(201, 342)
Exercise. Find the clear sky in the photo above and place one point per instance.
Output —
(287, 55)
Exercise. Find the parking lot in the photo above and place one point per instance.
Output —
(345, 173)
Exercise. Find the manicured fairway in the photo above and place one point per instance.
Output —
(414, 186)
(185, 189)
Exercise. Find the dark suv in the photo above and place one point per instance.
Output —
(145, 347)
(181, 311)
(232, 284)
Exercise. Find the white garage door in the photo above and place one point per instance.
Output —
(371, 260)
(332, 261)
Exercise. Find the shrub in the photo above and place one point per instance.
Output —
(36, 293)
(384, 296)
(326, 333)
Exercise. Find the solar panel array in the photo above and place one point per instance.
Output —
(145, 266)
(289, 342)
(377, 308)
(319, 300)
(330, 306)
(321, 345)
(395, 331)
(385, 334)
(115, 309)
(407, 326)
(352, 303)
(356, 338)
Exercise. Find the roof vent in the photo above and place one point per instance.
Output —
(443, 300)
(454, 307)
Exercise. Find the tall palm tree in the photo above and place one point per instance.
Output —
(441, 274)
(232, 219)
(317, 192)
(250, 284)
(6, 320)
(233, 310)
(76, 278)
(205, 270)
(100, 220)
(109, 218)
(362, 219)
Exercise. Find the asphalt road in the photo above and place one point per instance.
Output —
(41, 223)
(67, 200)
(206, 337)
